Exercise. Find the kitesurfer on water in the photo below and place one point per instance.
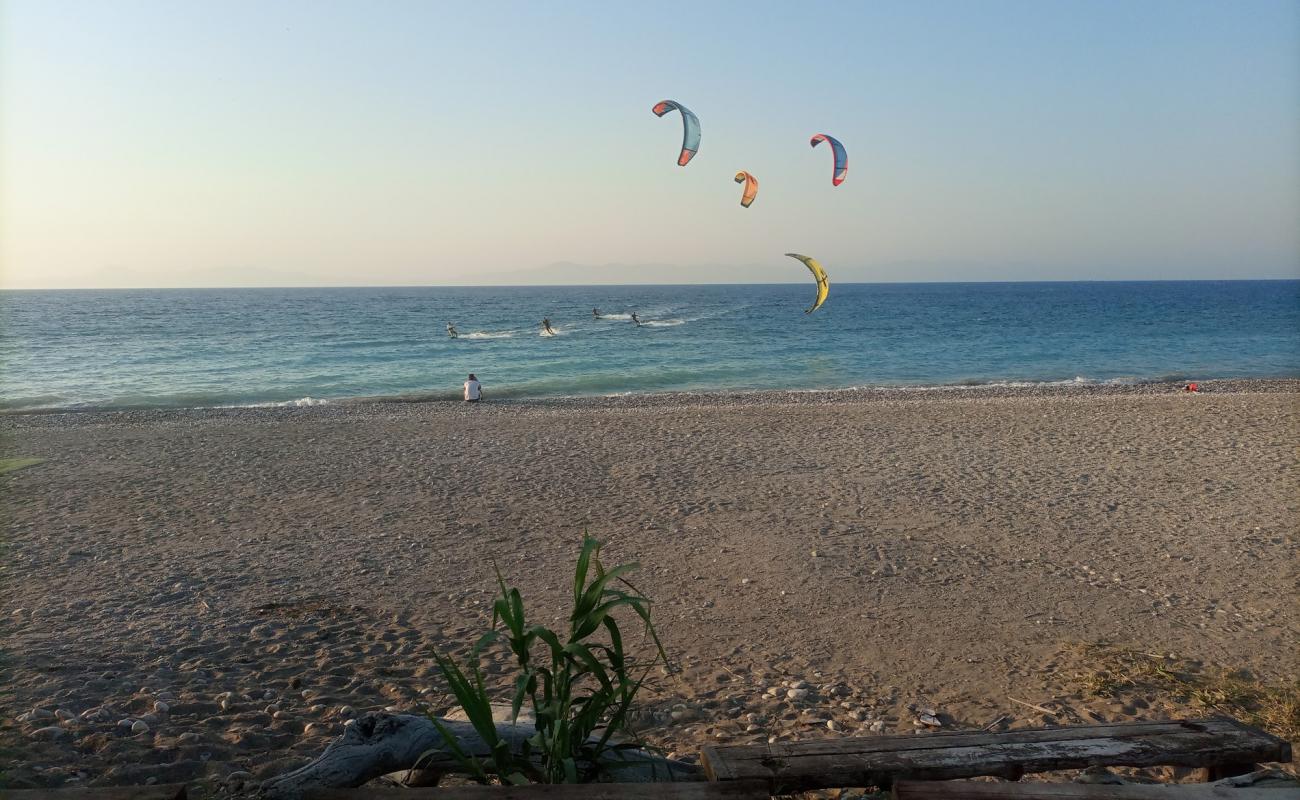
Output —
(546, 326)
(595, 312)
(637, 321)
(451, 330)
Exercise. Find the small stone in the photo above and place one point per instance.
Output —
(226, 704)
(125, 723)
(161, 708)
(271, 709)
(139, 727)
(928, 718)
(238, 778)
(797, 694)
(39, 713)
(745, 581)
(64, 714)
(832, 724)
(149, 719)
(189, 737)
(52, 732)
(877, 727)
(282, 715)
(269, 694)
(346, 711)
(799, 685)
(316, 709)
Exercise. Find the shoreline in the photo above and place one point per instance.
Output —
(715, 397)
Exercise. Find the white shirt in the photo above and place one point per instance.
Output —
(472, 389)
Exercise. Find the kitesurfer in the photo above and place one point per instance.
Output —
(595, 312)
(637, 321)
(546, 326)
(451, 330)
(473, 389)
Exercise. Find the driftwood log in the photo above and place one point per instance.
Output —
(378, 743)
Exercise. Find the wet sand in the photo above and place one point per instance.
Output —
(243, 581)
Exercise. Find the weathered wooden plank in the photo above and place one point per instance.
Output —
(880, 761)
(973, 790)
(929, 741)
(165, 791)
(735, 790)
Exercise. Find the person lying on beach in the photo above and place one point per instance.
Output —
(473, 389)
(637, 321)
(451, 330)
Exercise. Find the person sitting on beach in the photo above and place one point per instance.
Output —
(473, 389)
(634, 319)
(451, 330)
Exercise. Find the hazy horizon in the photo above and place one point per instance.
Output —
(157, 145)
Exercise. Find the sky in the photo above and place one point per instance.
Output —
(421, 143)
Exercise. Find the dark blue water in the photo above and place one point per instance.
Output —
(116, 349)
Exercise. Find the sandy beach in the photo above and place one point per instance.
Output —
(243, 581)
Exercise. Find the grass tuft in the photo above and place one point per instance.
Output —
(14, 464)
(581, 688)
(1236, 693)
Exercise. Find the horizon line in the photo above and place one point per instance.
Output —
(628, 285)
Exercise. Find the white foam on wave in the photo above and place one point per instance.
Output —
(615, 316)
(302, 402)
(488, 335)
(663, 323)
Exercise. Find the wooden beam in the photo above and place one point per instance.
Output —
(984, 790)
(738, 790)
(882, 760)
(164, 791)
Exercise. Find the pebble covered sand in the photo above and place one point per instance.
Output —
(208, 596)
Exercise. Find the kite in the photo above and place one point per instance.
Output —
(841, 157)
(690, 129)
(823, 282)
(751, 187)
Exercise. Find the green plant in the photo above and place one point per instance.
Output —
(580, 690)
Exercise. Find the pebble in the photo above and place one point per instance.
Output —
(139, 727)
(877, 727)
(282, 715)
(40, 713)
(272, 709)
(797, 694)
(64, 714)
(149, 719)
(161, 708)
(346, 711)
(832, 724)
(237, 778)
(189, 737)
(51, 732)
(125, 723)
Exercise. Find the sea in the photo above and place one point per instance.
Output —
(130, 349)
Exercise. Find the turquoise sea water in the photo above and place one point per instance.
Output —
(214, 347)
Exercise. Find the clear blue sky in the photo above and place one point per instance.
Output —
(252, 143)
